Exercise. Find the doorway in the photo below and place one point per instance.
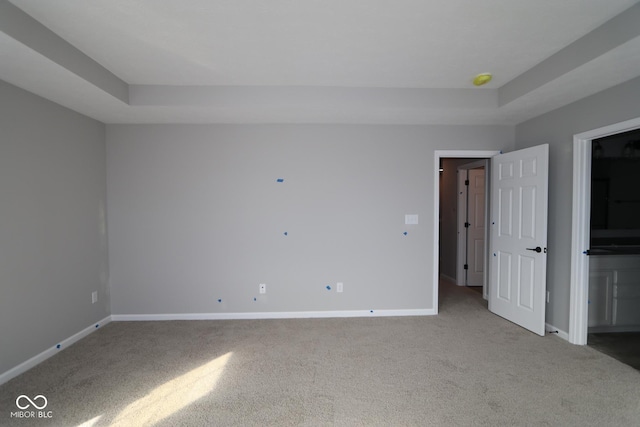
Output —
(581, 226)
(519, 193)
(472, 193)
(614, 252)
(453, 213)
(462, 156)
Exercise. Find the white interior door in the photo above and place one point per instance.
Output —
(461, 258)
(476, 228)
(519, 189)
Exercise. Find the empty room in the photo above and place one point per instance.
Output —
(356, 212)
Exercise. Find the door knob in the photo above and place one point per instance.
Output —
(537, 249)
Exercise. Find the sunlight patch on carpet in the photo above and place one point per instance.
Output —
(174, 395)
(91, 422)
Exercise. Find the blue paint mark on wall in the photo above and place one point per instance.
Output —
(280, 180)
(328, 287)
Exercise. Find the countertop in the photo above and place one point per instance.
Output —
(615, 250)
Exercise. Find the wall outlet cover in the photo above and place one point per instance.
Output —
(411, 219)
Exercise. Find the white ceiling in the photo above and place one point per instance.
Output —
(317, 61)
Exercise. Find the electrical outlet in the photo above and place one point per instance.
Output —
(548, 296)
(94, 297)
(263, 288)
(339, 287)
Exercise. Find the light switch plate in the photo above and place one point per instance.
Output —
(411, 219)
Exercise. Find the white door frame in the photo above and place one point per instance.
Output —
(580, 228)
(441, 154)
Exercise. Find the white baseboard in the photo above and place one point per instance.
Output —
(39, 358)
(562, 334)
(271, 315)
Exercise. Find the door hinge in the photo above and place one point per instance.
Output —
(466, 182)
(466, 225)
(466, 266)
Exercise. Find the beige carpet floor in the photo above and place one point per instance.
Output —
(463, 367)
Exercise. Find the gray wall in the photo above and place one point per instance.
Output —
(53, 243)
(557, 128)
(196, 215)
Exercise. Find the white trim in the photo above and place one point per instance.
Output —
(437, 155)
(39, 358)
(580, 228)
(271, 315)
(562, 334)
(487, 205)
